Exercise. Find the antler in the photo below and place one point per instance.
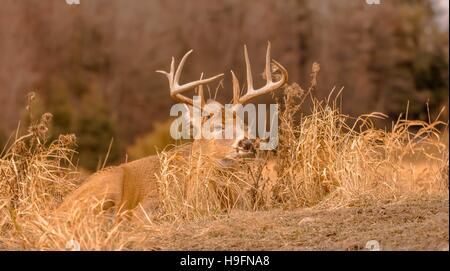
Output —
(174, 77)
(270, 85)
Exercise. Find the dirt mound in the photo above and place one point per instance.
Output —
(410, 224)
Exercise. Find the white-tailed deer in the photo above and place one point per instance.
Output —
(127, 185)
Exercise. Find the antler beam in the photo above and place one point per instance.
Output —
(174, 81)
(270, 85)
(176, 89)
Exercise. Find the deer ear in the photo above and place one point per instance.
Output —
(187, 116)
(191, 121)
(194, 120)
(184, 121)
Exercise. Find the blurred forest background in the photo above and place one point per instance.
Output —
(93, 65)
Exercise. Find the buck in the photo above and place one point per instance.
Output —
(129, 184)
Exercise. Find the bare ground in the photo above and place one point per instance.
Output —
(418, 223)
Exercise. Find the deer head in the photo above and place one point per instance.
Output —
(224, 150)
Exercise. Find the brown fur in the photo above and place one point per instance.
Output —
(125, 186)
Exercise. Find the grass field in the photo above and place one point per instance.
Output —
(334, 183)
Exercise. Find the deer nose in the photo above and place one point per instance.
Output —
(246, 144)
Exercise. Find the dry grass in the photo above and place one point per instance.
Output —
(325, 159)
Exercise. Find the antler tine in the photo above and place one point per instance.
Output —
(236, 88)
(180, 67)
(200, 92)
(181, 88)
(248, 69)
(284, 72)
(270, 84)
(170, 73)
(174, 77)
(268, 68)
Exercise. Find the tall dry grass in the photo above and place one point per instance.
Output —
(324, 158)
(334, 159)
(35, 174)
